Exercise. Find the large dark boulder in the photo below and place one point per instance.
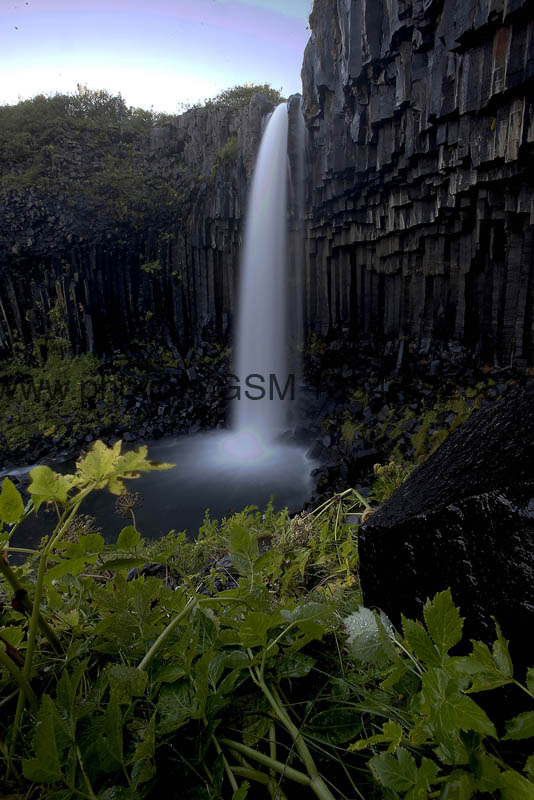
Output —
(464, 519)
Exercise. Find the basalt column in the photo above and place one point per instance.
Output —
(420, 193)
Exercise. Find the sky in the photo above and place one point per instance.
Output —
(157, 54)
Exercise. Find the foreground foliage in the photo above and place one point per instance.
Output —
(260, 672)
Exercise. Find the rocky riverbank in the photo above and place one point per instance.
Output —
(355, 406)
(395, 403)
(143, 395)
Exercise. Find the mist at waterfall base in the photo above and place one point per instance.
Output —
(227, 470)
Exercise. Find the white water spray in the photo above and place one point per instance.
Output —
(261, 313)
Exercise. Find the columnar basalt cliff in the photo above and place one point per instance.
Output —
(166, 272)
(420, 195)
(420, 209)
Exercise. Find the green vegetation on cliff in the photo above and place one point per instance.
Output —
(91, 148)
(238, 97)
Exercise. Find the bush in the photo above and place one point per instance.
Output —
(240, 96)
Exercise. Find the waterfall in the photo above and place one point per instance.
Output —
(249, 464)
(297, 150)
(260, 344)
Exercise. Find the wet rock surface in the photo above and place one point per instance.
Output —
(463, 519)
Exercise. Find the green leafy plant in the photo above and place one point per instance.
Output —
(388, 478)
(120, 666)
(439, 742)
(265, 674)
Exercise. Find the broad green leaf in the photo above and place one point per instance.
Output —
(125, 682)
(229, 636)
(488, 772)
(135, 461)
(243, 549)
(364, 640)
(113, 793)
(530, 680)
(520, 727)
(483, 666)
(309, 629)
(216, 668)
(269, 562)
(177, 704)
(129, 538)
(396, 772)
(426, 775)
(70, 566)
(451, 750)
(105, 466)
(305, 612)
(48, 486)
(92, 543)
(450, 710)
(45, 766)
(11, 505)
(335, 725)
(420, 642)
(13, 634)
(237, 659)
(391, 734)
(396, 673)
(256, 720)
(99, 464)
(459, 712)
(205, 628)
(230, 681)
(296, 665)
(515, 787)
(201, 681)
(458, 786)
(420, 733)
(169, 674)
(443, 621)
(254, 628)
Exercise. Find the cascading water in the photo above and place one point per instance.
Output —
(261, 329)
(248, 464)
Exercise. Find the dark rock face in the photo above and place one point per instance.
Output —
(420, 118)
(421, 131)
(464, 519)
(170, 279)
